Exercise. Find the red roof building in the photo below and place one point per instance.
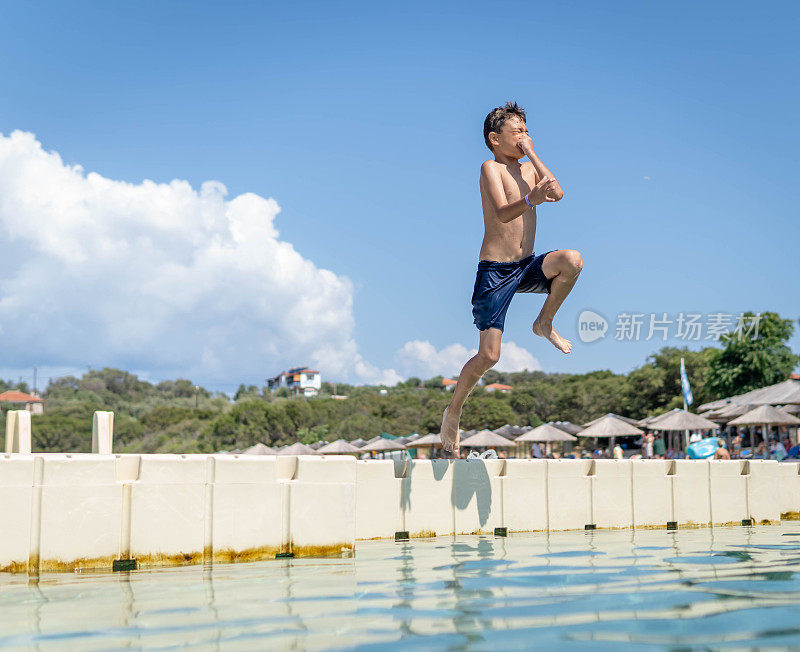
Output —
(15, 396)
(498, 387)
(33, 404)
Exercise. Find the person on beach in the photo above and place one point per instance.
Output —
(721, 453)
(510, 192)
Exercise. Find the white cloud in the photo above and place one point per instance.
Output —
(160, 276)
(422, 359)
(516, 358)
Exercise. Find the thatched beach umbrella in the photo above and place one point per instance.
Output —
(296, 449)
(339, 447)
(318, 444)
(632, 422)
(766, 416)
(487, 439)
(645, 423)
(785, 392)
(428, 441)
(358, 442)
(509, 432)
(567, 426)
(610, 426)
(259, 449)
(382, 445)
(684, 420)
(729, 412)
(681, 420)
(545, 433)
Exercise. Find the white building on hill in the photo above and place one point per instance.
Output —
(301, 381)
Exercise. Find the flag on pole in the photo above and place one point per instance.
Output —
(687, 390)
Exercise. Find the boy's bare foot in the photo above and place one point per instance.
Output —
(449, 432)
(545, 329)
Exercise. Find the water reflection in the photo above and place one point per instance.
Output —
(705, 587)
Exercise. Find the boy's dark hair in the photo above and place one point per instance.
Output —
(497, 117)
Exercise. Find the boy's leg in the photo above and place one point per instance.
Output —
(563, 267)
(487, 356)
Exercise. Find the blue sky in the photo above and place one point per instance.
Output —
(672, 128)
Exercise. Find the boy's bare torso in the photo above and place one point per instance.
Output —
(512, 240)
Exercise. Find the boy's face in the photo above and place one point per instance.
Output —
(510, 134)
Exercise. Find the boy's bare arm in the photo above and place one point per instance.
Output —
(526, 145)
(493, 187)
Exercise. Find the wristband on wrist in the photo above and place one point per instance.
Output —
(528, 202)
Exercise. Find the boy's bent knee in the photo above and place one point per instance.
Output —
(575, 260)
(489, 357)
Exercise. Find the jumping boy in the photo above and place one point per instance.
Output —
(510, 192)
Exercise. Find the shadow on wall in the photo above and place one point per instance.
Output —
(469, 478)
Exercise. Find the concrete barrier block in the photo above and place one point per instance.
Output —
(690, 499)
(477, 495)
(81, 512)
(569, 494)
(789, 490)
(524, 491)
(612, 494)
(652, 501)
(18, 431)
(322, 506)
(16, 490)
(168, 514)
(379, 513)
(763, 492)
(127, 467)
(325, 468)
(247, 508)
(427, 498)
(102, 432)
(728, 490)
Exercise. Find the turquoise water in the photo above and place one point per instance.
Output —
(690, 589)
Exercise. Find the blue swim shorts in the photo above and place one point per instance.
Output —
(497, 282)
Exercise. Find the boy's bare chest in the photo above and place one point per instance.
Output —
(517, 183)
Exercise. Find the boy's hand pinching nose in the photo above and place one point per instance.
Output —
(525, 144)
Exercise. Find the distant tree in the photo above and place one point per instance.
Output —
(249, 391)
(485, 412)
(435, 382)
(753, 357)
(181, 388)
(656, 385)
